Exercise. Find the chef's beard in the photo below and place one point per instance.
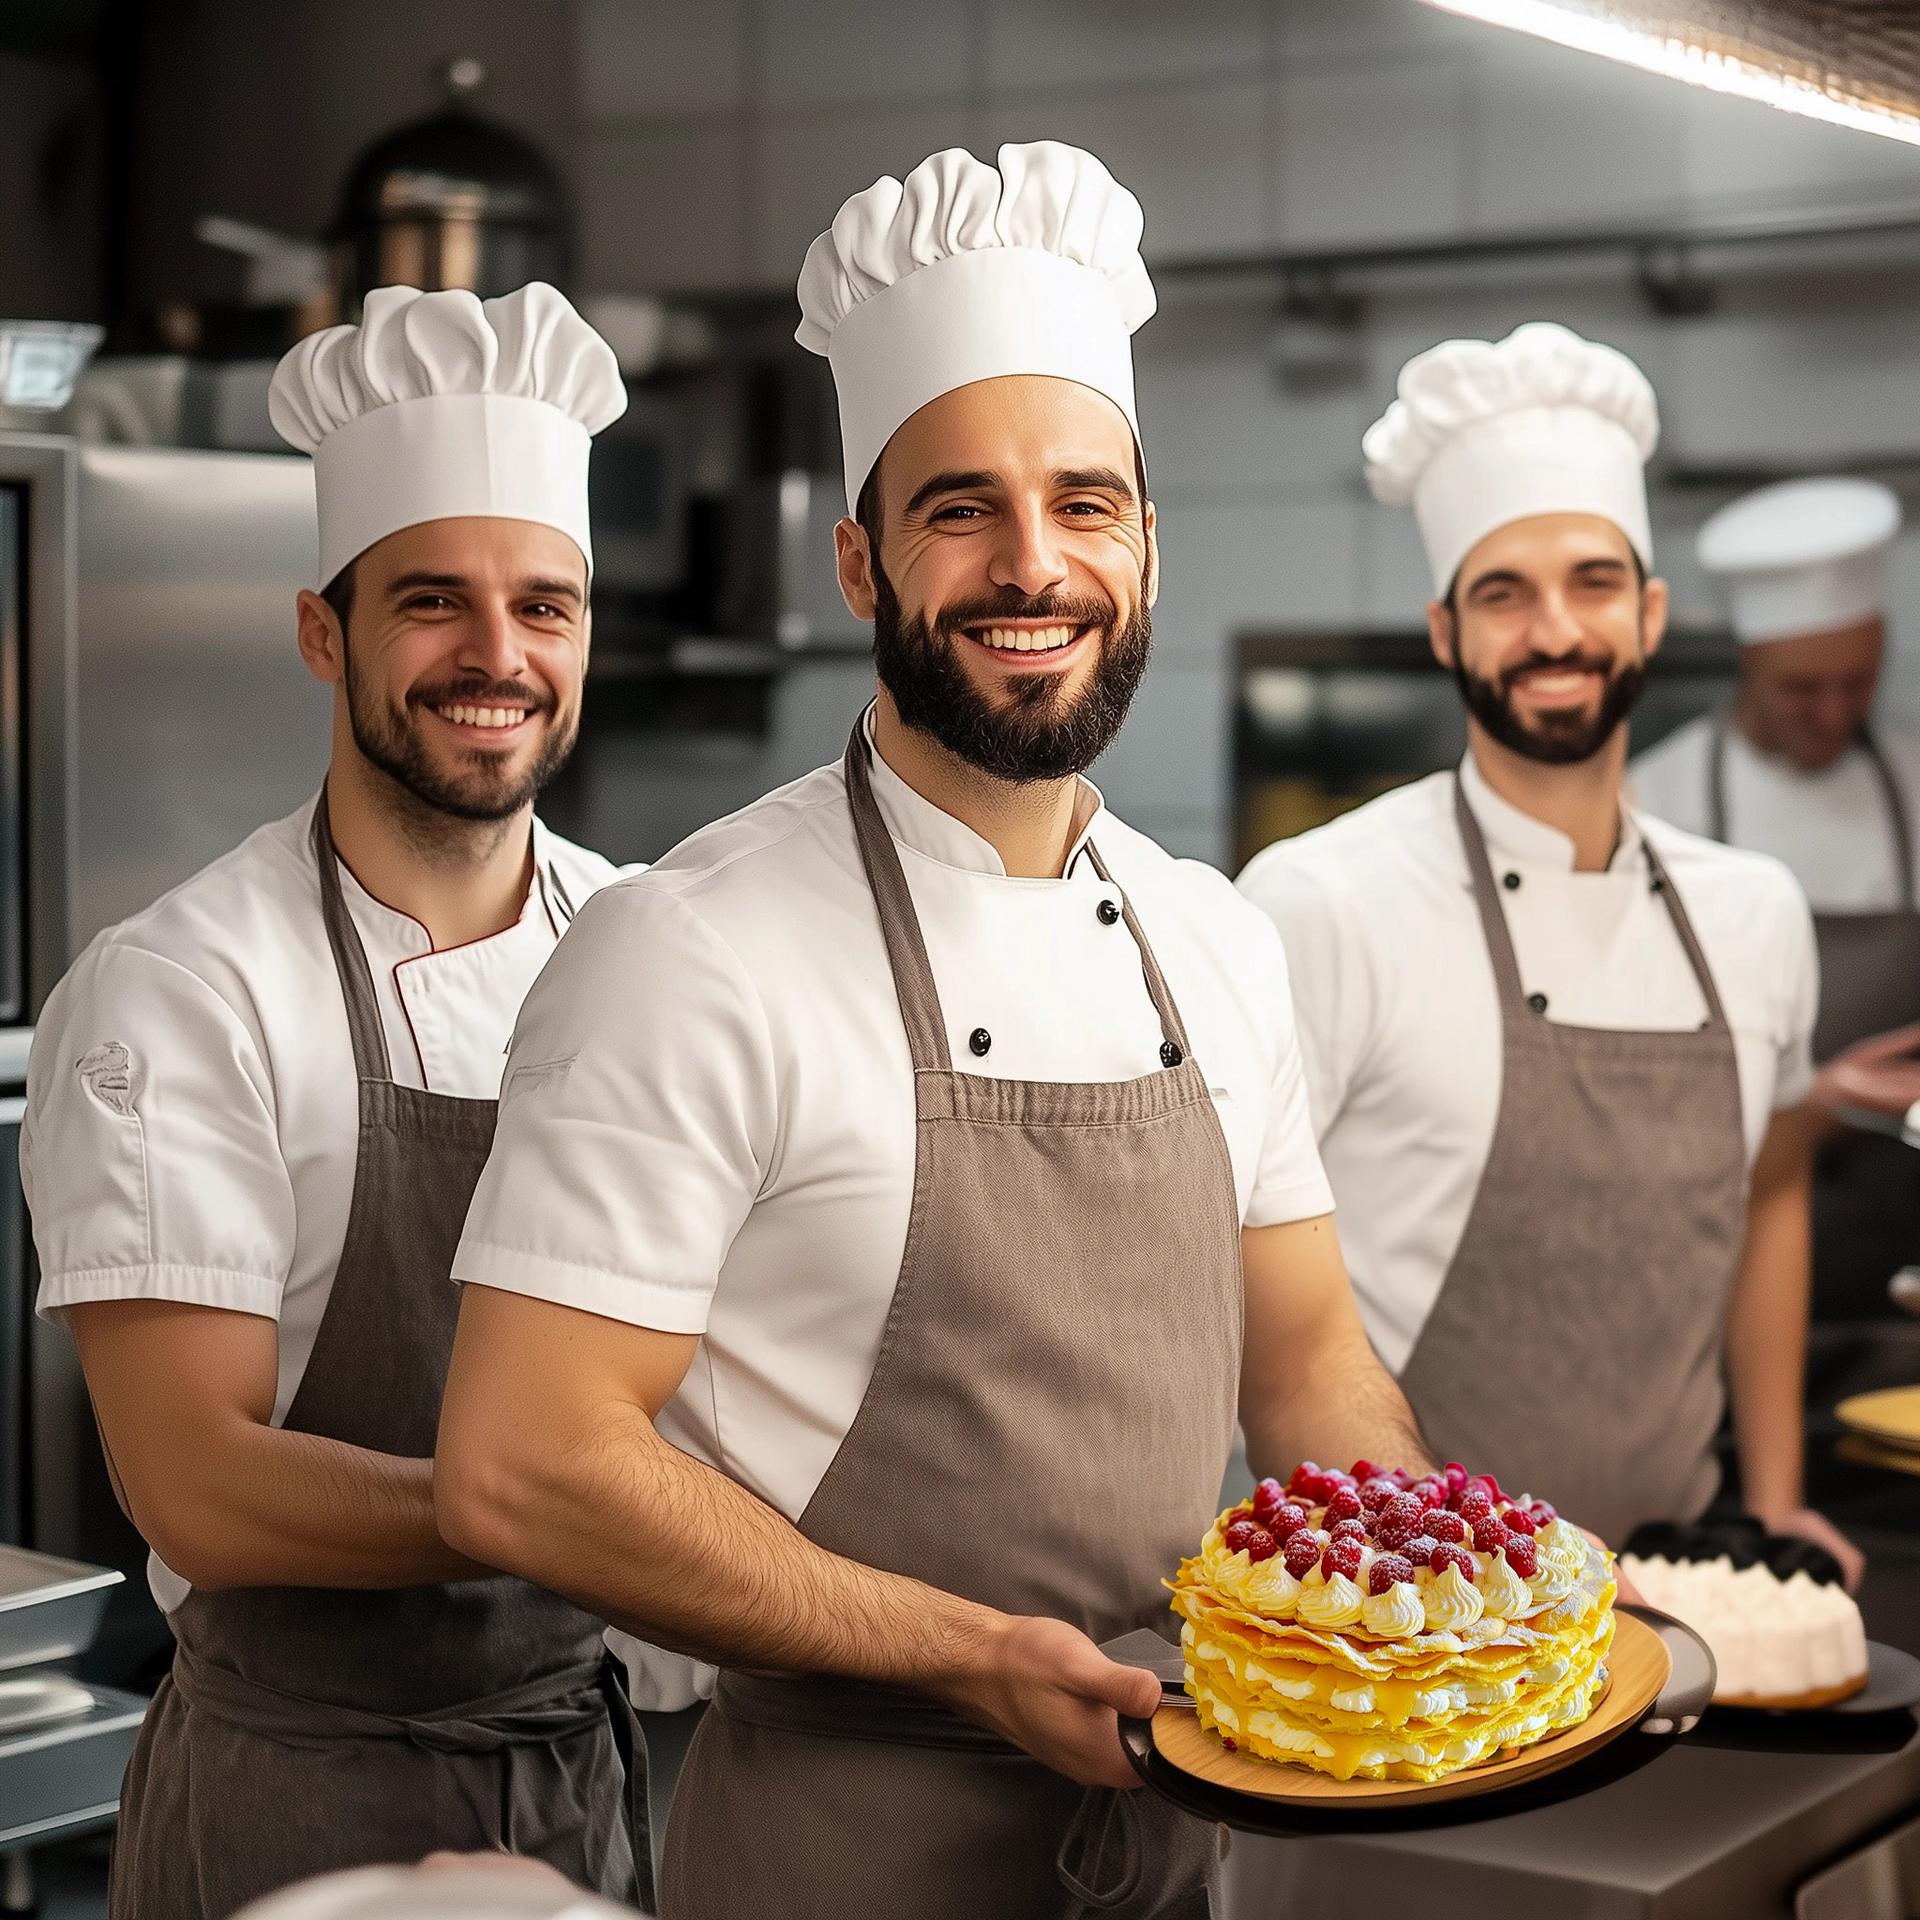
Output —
(483, 786)
(1553, 739)
(1040, 730)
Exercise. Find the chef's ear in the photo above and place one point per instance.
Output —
(1442, 633)
(323, 641)
(1151, 522)
(1653, 616)
(853, 562)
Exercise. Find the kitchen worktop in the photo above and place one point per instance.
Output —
(1726, 1822)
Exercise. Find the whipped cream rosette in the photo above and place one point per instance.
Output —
(1370, 1625)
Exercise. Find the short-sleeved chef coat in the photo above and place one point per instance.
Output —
(1830, 828)
(1400, 1024)
(707, 1125)
(192, 1109)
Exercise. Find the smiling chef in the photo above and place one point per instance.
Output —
(1554, 1050)
(856, 1288)
(256, 1112)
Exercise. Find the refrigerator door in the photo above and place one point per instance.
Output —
(196, 721)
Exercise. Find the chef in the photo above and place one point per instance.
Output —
(856, 1288)
(255, 1113)
(1799, 768)
(1552, 1049)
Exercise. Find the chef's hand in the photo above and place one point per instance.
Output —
(1802, 1523)
(1046, 1687)
(1881, 1073)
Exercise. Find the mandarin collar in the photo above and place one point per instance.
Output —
(406, 935)
(1519, 837)
(914, 822)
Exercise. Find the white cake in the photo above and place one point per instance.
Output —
(1775, 1642)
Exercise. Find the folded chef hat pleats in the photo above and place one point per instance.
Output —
(964, 272)
(441, 405)
(1485, 432)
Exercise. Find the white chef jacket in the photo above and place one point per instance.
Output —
(1400, 1024)
(1829, 828)
(708, 1120)
(214, 1162)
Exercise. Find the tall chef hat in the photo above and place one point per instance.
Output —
(963, 272)
(399, 1893)
(440, 405)
(1487, 432)
(1803, 556)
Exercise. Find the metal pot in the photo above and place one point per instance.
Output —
(453, 200)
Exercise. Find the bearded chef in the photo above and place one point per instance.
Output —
(856, 1288)
(1553, 1049)
(255, 1113)
(1799, 768)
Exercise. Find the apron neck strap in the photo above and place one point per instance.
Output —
(1899, 820)
(1171, 1026)
(899, 925)
(370, 1057)
(906, 949)
(1493, 919)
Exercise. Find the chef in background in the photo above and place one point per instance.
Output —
(855, 1292)
(1799, 768)
(255, 1113)
(1554, 1051)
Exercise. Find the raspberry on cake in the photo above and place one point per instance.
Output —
(1407, 1627)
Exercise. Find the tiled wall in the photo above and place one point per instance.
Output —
(716, 141)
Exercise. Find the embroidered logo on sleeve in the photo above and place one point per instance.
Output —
(107, 1073)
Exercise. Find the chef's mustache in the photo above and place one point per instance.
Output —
(482, 693)
(1601, 663)
(1057, 609)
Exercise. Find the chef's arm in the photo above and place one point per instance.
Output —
(1311, 1385)
(1767, 1337)
(183, 1396)
(550, 1466)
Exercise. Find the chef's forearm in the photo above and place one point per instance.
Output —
(1311, 1385)
(1767, 1321)
(270, 1508)
(646, 1537)
(1365, 1416)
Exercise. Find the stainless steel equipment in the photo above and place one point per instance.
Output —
(50, 1609)
(161, 714)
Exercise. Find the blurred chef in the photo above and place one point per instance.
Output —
(1552, 1050)
(1799, 768)
(856, 1285)
(256, 1112)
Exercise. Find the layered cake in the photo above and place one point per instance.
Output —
(1796, 1642)
(1371, 1625)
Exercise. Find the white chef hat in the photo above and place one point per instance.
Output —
(401, 1893)
(1803, 556)
(441, 405)
(964, 272)
(1486, 432)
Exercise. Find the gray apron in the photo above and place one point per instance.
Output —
(1576, 1346)
(305, 1729)
(1045, 1432)
(1866, 1186)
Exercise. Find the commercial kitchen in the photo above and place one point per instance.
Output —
(959, 960)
